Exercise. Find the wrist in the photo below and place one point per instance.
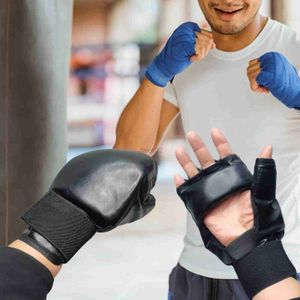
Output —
(24, 247)
(156, 75)
(266, 265)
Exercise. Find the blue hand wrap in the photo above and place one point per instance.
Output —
(281, 78)
(175, 56)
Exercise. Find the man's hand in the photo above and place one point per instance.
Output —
(204, 43)
(187, 44)
(232, 217)
(253, 71)
(273, 72)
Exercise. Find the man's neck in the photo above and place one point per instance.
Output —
(242, 39)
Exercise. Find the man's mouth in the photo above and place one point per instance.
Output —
(227, 14)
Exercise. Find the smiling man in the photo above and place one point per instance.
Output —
(242, 78)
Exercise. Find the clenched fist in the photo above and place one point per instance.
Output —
(273, 72)
(187, 44)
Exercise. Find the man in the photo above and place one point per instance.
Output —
(241, 78)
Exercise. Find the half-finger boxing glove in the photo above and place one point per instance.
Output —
(96, 191)
(259, 257)
(281, 78)
(254, 252)
(208, 188)
(175, 56)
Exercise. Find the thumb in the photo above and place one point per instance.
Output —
(267, 152)
(264, 179)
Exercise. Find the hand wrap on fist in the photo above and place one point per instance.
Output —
(175, 56)
(249, 253)
(96, 191)
(281, 78)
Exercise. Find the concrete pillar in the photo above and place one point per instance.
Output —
(35, 40)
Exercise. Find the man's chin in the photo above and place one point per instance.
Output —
(227, 30)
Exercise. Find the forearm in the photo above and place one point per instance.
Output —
(286, 289)
(54, 269)
(22, 276)
(138, 125)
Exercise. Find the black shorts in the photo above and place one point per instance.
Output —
(185, 285)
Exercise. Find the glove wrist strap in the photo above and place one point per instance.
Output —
(65, 226)
(264, 266)
(39, 243)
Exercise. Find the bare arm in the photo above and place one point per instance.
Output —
(144, 119)
(54, 269)
(286, 289)
(168, 114)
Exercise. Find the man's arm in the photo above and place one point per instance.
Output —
(169, 113)
(139, 122)
(144, 120)
(288, 288)
(23, 274)
(147, 116)
(54, 269)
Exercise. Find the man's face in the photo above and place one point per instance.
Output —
(229, 16)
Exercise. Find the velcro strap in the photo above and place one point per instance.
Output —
(63, 224)
(264, 266)
(243, 245)
(203, 191)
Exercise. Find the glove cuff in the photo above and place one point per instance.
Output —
(65, 226)
(39, 243)
(156, 75)
(264, 266)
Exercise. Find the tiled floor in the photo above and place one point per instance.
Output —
(131, 262)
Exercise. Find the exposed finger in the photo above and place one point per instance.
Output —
(253, 61)
(200, 150)
(206, 33)
(252, 79)
(254, 84)
(178, 180)
(206, 51)
(193, 58)
(253, 68)
(221, 143)
(202, 52)
(267, 152)
(186, 162)
(262, 89)
(254, 72)
(204, 44)
(202, 37)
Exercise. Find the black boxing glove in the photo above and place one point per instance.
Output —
(96, 191)
(252, 254)
(259, 257)
(207, 189)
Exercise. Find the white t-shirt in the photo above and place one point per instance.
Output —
(215, 92)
